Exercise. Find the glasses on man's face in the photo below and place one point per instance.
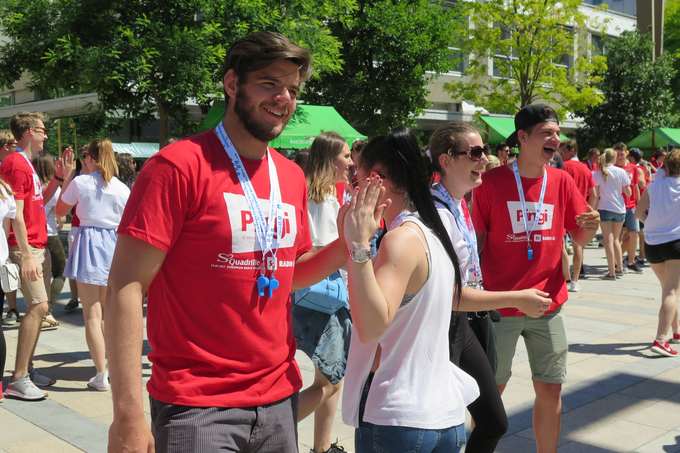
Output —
(12, 145)
(41, 129)
(83, 156)
(474, 153)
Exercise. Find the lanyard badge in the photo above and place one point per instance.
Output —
(518, 180)
(264, 227)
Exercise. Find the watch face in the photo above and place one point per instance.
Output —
(360, 255)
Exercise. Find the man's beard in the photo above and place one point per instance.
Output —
(244, 111)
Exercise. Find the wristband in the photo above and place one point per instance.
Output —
(59, 179)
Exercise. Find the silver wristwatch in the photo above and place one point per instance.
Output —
(359, 255)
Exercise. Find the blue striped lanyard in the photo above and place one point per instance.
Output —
(264, 227)
(518, 180)
(474, 270)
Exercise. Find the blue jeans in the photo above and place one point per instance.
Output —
(370, 438)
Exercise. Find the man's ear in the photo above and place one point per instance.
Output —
(522, 136)
(231, 83)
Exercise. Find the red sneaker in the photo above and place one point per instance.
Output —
(664, 349)
(675, 339)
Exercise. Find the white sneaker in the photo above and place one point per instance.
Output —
(39, 379)
(574, 287)
(100, 382)
(25, 389)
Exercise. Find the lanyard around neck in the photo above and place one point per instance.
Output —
(518, 180)
(398, 219)
(474, 269)
(264, 227)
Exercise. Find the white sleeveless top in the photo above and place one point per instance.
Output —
(415, 384)
(663, 222)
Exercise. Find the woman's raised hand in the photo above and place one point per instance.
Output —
(362, 217)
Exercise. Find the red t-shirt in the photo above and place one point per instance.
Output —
(23, 180)
(583, 177)
(497, 211)
(644, 172)
(591, 167)
(214, 341)
(631, 169)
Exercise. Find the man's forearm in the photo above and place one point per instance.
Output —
(21, 235)
(50, 190)
(124, 337)
(314, 266)
(583, 236)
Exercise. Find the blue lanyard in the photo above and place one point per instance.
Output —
(264, 227)
(474, 270)
(397, 220)
(518, 180)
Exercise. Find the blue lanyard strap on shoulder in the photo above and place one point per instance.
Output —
(518, 180)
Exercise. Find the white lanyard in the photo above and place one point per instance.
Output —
(37, 186)
(397, 221)
(518, 180)
(264, 227)
(474, 270)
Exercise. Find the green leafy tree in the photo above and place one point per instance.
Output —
(637, 93)
(671, 44)
(532, 50)
(391, 49)
(147, 59)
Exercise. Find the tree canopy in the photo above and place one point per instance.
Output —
(147, 59)
(539, 50)
(637, 93)
(391, 49)
(671, 44)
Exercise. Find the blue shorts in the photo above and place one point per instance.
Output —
(324, 338)
(610, 216)
(632, 224)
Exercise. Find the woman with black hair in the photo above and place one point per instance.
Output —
(401, 390)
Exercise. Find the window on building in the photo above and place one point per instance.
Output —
(598, 45)
(502, 64)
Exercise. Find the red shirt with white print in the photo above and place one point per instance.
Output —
(631, 169)
(22, 178)
(214, 340)
(497, 210)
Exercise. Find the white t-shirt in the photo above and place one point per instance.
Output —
(50, 212)
(8, 208)
(100, 205)
(611, 198)
(323, 217)
(663, 221)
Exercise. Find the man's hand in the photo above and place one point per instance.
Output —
(533, 302)
(589, 220)
(29, 269)
(131, 436)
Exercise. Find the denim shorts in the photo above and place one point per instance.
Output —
(370, 438)
(632, 224)
(611, 216)
(324, 338)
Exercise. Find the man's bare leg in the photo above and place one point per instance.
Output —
(578, 262)
(29, 331)
(547, 416)
(12, 300)
(632, 246)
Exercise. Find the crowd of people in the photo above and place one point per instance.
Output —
(395, 255)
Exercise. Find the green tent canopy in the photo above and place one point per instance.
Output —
(656, 137)
(496, 130)
(307, 122)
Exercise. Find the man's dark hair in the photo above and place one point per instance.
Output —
(659, 152)
(259, 50)
(621, 146)
(500, 146)
(593, 151)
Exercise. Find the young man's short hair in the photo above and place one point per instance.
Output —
(20, 123)
(569, 145)
(6, 137)
(259, 50)
(620, 146)
(593, 151)
(500, 146)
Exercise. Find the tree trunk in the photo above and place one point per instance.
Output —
(163, 125)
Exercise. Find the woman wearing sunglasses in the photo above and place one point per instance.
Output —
(459, 156)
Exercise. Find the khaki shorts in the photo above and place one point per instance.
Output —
(546, 342)
(38, 291)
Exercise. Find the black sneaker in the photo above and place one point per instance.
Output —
(607, 276)
(634, 267)
(12, 317)
(640, 261)
(71, 305)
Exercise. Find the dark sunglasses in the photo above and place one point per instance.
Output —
(83, 156)
(474, 153)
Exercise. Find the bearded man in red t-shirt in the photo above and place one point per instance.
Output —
(197, 234)
(521, 212)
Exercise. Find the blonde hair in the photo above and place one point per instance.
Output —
(20, 123)
(102, 152)
(607, 157)
(7, 188)
(6, 137)
(493, 162)
(319, 169)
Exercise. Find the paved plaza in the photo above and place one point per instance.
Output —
(619, 398)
